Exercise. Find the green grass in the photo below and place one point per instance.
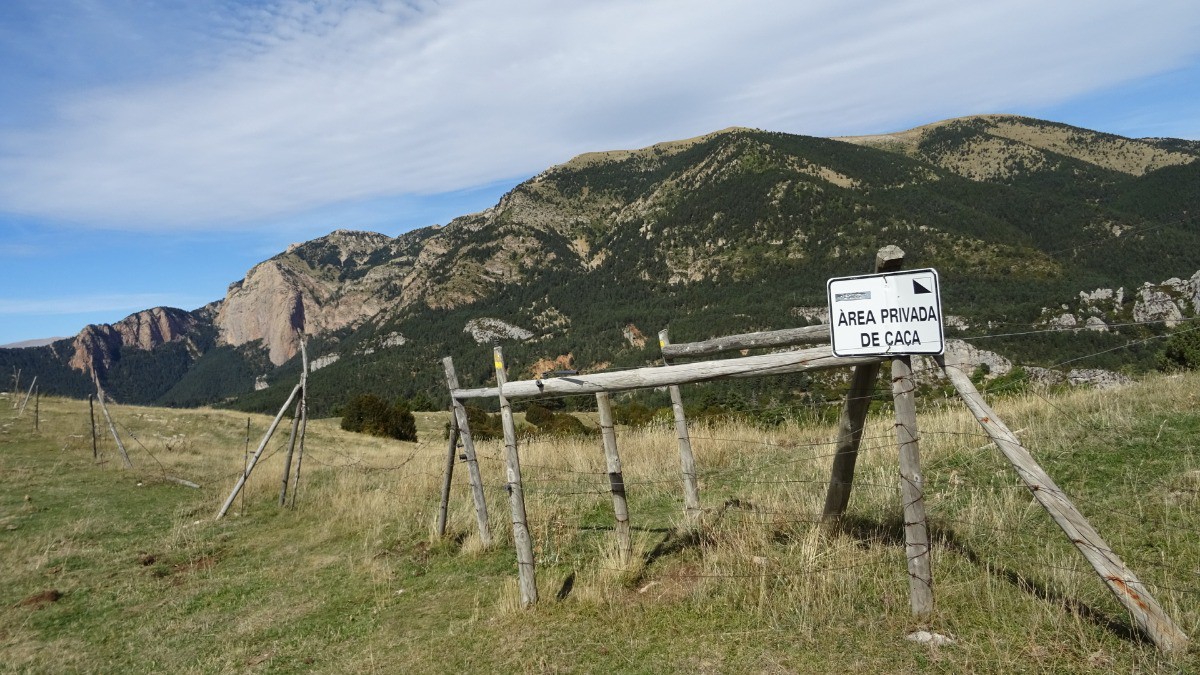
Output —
(114, 570)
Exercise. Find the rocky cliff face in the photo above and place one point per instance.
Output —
(99, 345)
(267, 305)
(317, 287)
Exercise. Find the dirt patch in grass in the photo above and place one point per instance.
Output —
(160, 567)
(41, 599)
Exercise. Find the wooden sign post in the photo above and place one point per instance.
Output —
(912, 492)
(854, 414)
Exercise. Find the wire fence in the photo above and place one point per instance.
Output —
(776, 460)
(762, 468)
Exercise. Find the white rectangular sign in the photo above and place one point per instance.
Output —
(885, 314)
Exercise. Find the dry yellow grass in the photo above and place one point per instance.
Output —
(1008, 587)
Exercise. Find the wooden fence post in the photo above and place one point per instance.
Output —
(21, 412)
(616, 479)
(850, 429)
(257, 453)
(451, 452)
(37, 410)
(291, 449)
(92, 418)
(112, 428)
(300, 450)
(1131, 593)
(687, 461)
(246, 460)
(854, 413)
(464, 430)
(516, 494)
(287, 459)
(916, 530)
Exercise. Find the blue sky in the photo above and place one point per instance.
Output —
(151, 152)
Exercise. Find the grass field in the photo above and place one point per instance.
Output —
(108, 569)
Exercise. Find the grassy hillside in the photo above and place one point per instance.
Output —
(113, 570)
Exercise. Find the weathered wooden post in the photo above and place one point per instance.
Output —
(1148, 614)
(464, 430)
(291, 447)
(516, 494)
(616, 479)
(92, 418)
(687, 461)
(258, 453)
(246, 460)
(916, 531)
(112, 428)
(21, 412)
(37, 410)
(300, 450)
(447, 476)
(854, 413)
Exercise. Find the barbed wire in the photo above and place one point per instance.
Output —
(543, 486)
(1075, 329)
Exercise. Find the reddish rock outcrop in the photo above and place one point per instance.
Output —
(101, 344)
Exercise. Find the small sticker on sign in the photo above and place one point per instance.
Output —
(850, 297)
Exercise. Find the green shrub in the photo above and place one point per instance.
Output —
(538, 415)
(1182, 351)
(563, 424)
(633, 413)
(484, 427)
(1015, 381)
(370, 414)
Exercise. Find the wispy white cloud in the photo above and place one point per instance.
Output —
(302, 105)
(87, 304)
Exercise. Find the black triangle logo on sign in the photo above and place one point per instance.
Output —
(918, 289)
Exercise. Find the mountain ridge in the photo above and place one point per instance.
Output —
(609, 240)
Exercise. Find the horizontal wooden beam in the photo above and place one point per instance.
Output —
(817, 358)
(788, 337)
